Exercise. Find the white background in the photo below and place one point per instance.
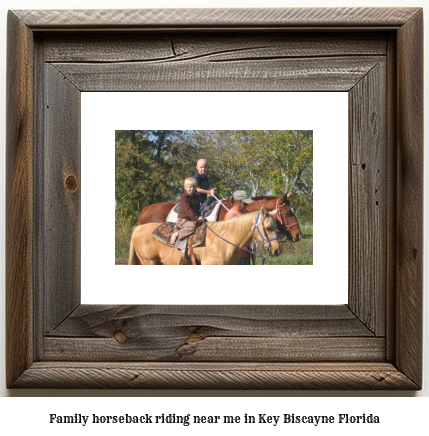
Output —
(400, 413)
(326, 113)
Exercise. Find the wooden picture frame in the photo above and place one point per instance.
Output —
(373, 342)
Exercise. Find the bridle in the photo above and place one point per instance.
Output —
(265, 238)
(279, 216)
(245, 249)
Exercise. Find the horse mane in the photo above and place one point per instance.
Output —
(264, 197)
(239, 225)
(234, 225)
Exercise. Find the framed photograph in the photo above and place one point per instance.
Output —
(58, 61)
(238, 158)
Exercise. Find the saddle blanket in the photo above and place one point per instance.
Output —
(164, 231)
(213, 215)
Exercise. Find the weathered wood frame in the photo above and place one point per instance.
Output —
(374, 342)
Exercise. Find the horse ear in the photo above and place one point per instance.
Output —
(289, 197)
(274, 212)
(263, 212)
(283, 199)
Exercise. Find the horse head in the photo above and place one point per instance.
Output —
(265, 232)
(287, 222)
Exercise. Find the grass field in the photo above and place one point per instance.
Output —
(299, 253)
(124, 226)
(293, 253)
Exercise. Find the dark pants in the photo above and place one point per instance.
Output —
(244, 261)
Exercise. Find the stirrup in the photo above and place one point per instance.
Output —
(183, 258)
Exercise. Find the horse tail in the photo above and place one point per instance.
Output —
(132, 259)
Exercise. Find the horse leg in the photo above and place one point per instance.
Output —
(149, 255)
(141, 247)
(149, 261)
(132, 258)
(168, 255)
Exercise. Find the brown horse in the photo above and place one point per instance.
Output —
(287, 223)
(155, 213)
(216, 251)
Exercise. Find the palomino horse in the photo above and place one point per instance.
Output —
(216, 251)
(287, 223)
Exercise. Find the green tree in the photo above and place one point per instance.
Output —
(152, 164)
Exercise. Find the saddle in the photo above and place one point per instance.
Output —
(211, 210)
(163, 233)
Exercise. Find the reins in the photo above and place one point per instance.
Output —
(219, 201)
(265, 239)
(237, 246)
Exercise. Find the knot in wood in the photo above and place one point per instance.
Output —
(193, 338)
(120, 337)
(70, 183)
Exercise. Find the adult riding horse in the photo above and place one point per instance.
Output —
(225, 250)
(287, 223)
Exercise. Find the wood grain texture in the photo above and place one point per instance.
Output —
(178, 47)
(368, 202)
(289, 18)
(222, 63)
(214, 333)
(178, 347)
(61, 198)
(410, 198)
(330, 74)
(248, 376)
(99, 321)
(391, 194)
(373, 343)
(19, 200)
